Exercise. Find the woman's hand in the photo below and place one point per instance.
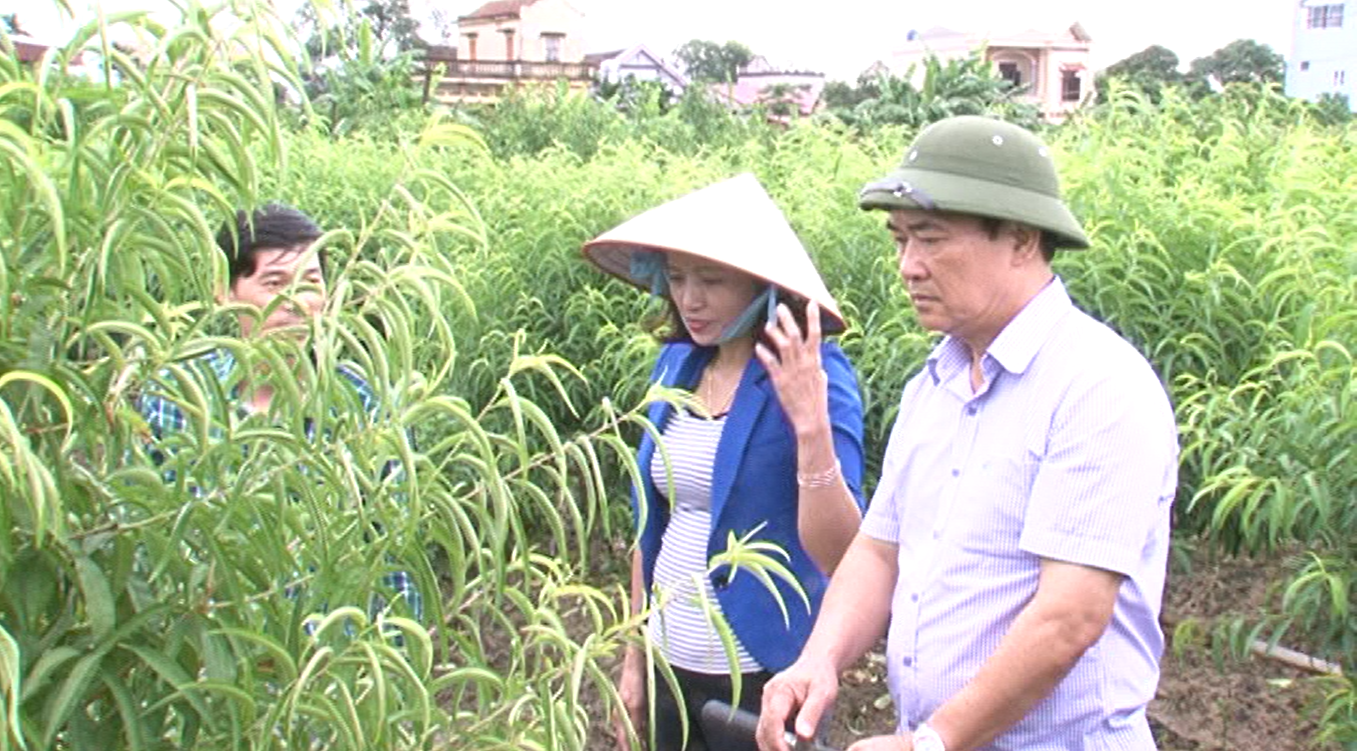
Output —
(631, 687)
(827, 516)
(793, 364)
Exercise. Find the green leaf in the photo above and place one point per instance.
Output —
(99, 605)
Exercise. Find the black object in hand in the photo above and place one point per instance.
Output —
(727, 727)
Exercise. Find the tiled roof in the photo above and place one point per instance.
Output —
(499, 9)
(595, 58)
(619, 64)
(29, 50)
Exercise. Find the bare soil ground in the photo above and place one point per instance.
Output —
(1251, 705)
(1248, 705)
(1202, 704)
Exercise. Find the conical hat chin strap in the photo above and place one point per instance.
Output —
(650, 267)
(761, 310)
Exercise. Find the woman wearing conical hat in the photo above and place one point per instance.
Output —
(774, 452)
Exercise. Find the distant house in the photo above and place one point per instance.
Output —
(510, 43)
(759, 82)
(27, 48)
(30, 50)
(638, 63)
(1323, 51)
(785, 92)
(875, 70)
(1051, 68)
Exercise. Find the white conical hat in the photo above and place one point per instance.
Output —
(733, 222)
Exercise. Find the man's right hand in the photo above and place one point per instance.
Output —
(805, 690)
(631, 687)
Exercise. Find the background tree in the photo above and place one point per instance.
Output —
(361, 69)
(1240, 61)
(841, 95)
(392, 28)
(716, 63)
(444, 23)
(1332, 109)
(941, 89)
(11, 23)
(1149, 71)
(782, 100)
(636, 97)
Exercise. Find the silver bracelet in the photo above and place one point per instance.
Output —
(927, 739)
(821, 479)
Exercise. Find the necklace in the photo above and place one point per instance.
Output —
(714, 406)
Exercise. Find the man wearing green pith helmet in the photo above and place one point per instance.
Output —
(1015, 549)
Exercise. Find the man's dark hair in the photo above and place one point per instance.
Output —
(991, 225)
(271, 226)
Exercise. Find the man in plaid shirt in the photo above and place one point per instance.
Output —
(268, 256)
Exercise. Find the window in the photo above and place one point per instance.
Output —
(551, 45)
(508, 44)
(1325, 17)
(1009, 72)
(1340, 77)
(1304, 65)
(1071, 87)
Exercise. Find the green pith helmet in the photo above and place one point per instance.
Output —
(983, 167)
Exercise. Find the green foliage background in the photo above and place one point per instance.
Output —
(143, 614)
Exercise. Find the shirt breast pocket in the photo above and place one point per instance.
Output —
(992, 504)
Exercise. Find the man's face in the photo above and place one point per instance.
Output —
(277, 271)
(958, 276)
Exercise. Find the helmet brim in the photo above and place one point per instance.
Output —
(930, 190)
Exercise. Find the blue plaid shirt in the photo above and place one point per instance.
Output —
(165, 417)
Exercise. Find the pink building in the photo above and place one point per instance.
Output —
(760, 82)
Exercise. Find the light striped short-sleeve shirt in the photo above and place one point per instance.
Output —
(680, 627)
(1068, 451)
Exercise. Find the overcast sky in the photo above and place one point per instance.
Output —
(843, 37)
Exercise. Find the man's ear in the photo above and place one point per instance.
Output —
(225, 294)
(1026, 240)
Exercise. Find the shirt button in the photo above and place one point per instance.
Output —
(908, 661)
(937, 535)
(914, 597)
(956, 472)
(972, 409)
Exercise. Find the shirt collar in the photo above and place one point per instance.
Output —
(1021, 339)
(1018, 342)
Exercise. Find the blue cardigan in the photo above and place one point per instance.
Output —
(754, 483)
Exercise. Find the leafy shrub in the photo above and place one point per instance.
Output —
(508, 370)
(230, 605)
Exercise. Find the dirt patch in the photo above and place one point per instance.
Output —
(1206, 699)
(1205, 702)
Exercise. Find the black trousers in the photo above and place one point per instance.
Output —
(697, 689)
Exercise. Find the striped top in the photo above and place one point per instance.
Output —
(1067, 451)
(680, 626)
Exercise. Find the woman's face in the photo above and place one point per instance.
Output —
(709, 295)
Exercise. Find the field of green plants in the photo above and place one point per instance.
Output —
(229, 606)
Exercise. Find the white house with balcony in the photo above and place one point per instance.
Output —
(1323, 51)
(506, 44)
